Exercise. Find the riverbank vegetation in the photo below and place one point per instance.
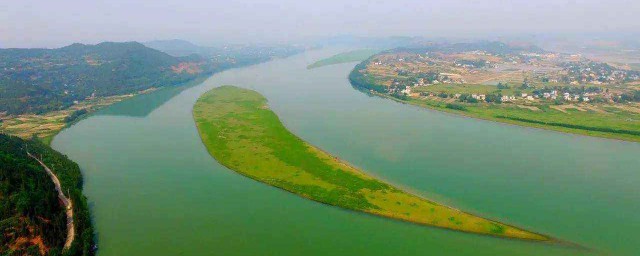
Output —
(345, 57)
(33, 221)
(241, 133)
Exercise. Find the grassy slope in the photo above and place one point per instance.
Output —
(244, 135)
(350, 56)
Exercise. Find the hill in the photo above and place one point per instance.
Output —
(42, 80)
(32, 219)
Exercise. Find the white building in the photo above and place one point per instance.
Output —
(407, 90)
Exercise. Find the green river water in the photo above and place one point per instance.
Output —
(154, 190)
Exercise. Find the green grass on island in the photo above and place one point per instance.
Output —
(242, 134)
(350, 56)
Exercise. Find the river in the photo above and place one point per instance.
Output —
(154, 190)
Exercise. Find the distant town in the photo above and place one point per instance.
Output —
(520, 84)
(521, 76)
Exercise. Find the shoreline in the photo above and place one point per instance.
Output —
(564, 130)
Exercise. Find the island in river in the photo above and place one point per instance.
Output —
(243, 134)
(345, 57)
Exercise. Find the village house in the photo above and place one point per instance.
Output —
(506, 98)
(407, 90)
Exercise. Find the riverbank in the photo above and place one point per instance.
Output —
(476, 112)
(609, 122)
(241, 133)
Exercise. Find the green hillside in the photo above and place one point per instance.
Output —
(32, 220)
(43, 80)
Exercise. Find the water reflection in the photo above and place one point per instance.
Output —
(142, 105)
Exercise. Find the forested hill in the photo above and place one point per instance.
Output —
(42, 80)
(32, 219)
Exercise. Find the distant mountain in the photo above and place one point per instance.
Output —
(41, 80)
(493, 47)
(178, 48)
(225, 55)
(368, 42)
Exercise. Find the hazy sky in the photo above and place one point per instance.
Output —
(53, 23)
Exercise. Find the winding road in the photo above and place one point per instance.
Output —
(65, 201)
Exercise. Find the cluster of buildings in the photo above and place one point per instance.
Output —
(597, 73)
(553, 95)
(441, 78)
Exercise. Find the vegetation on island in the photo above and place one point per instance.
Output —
(345, 57)
(517, 85)
(241, 133)
(32, 219)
